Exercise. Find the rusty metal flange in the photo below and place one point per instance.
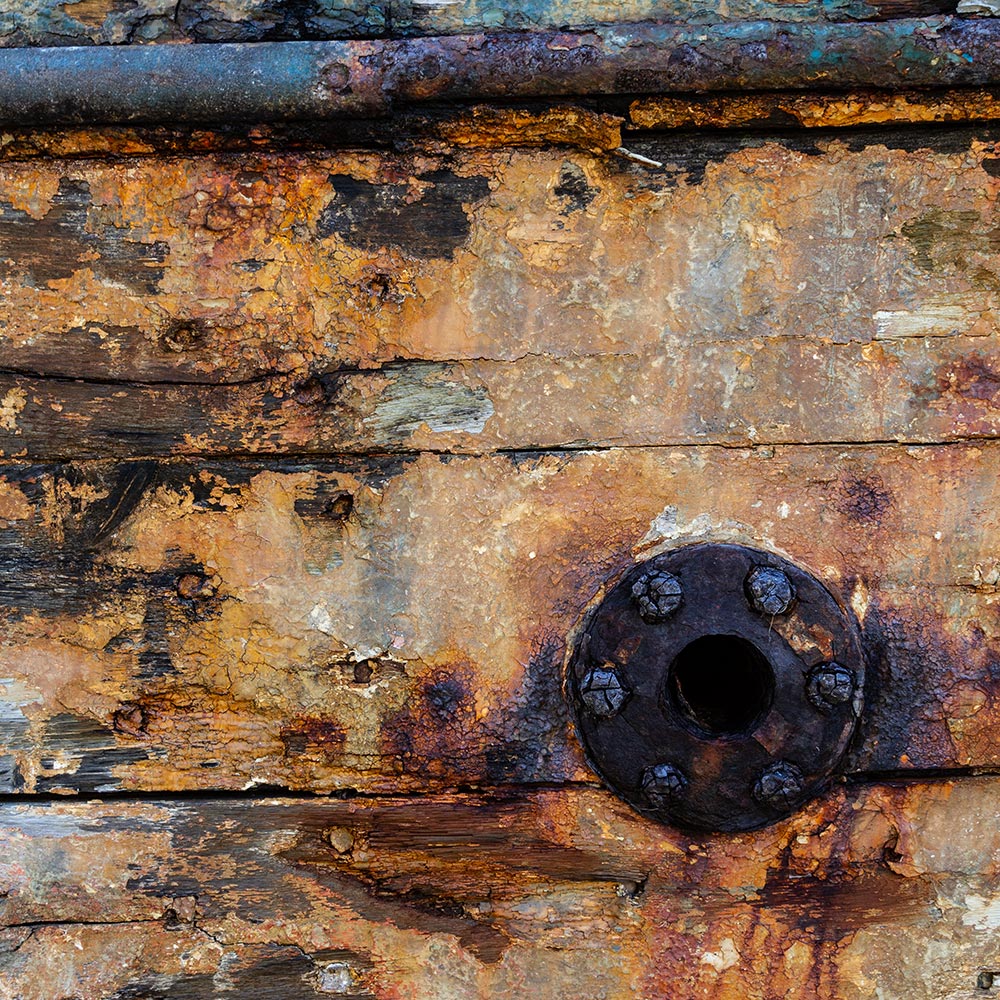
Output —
(717, 687)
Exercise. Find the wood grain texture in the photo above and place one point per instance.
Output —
(747, 292)
(553, 893)
(399, 624)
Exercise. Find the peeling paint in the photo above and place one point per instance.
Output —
(11, 406)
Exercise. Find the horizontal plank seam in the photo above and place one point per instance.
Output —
(390, 366)
(425, 134)
(262, 792)
(81, 456)
(110, 922)
(127, 383)
(258, 792)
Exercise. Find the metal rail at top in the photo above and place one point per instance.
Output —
(281, 81)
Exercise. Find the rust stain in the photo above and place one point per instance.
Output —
(865, 501)
(312, 735)
(93, 13)
(816, 110)
(487, 127)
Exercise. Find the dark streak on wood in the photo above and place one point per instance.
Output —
(93, 750)
(63, 241)
(427, 224)
(259, 973)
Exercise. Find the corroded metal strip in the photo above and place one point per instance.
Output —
(267, 82)
(300, 80)
(812, 110)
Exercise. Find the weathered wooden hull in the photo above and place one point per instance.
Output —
(318, 443)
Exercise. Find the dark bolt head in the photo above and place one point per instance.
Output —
(602, 691)
(663, 784)
(779, 787)
(830, 685)
(657, 596)
(769, 590)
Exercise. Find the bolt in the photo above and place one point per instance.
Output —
(830, 685)
(779, 787)
(195, 586)
(182, 336)
(657, 595)
(337, 77)
(769, 590)
(602, 691)
(663, 784)
(341, 840)
(310, 392)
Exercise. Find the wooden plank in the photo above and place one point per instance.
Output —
(310, 303)
(918, 389)
(382, 257)
(111, 22)
(400, 625)
(563, 892)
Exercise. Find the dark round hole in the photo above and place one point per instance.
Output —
(722, 684)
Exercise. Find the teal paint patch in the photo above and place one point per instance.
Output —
(65, 22)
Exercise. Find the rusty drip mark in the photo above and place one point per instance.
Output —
(284, 81)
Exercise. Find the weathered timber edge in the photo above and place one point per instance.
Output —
(461, 897)
(274, 81)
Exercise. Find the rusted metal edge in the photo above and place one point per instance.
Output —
(281, 81)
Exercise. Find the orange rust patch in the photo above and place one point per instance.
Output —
(816, 110)
(496, 128)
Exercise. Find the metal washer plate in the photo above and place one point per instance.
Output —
(714, 781)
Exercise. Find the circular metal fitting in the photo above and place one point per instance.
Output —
(717, 686)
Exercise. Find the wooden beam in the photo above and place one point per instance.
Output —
(461, 896)
(296, 304)
(398, 625)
